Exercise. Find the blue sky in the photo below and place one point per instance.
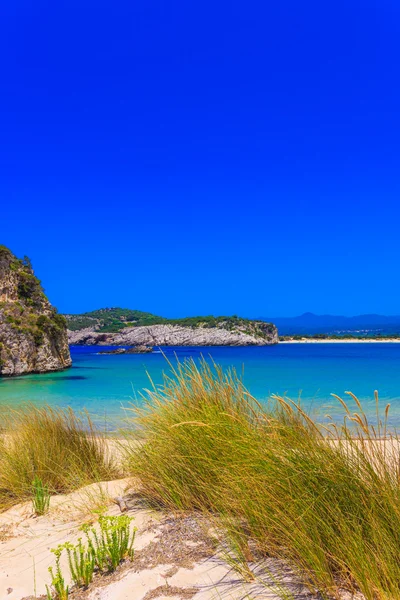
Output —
(209, 158)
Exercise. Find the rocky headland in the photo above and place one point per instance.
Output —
(118, 327)
(33, 336)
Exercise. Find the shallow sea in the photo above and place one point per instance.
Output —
(106, 385)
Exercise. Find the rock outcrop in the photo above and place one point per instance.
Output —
(33, 336)
(256, 334)
(133, 350)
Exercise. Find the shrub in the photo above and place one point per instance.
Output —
(28, 286)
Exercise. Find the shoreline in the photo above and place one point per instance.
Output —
(343, 341)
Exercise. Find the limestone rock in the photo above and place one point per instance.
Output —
(257, 333)
(133, 350)
(33, 336)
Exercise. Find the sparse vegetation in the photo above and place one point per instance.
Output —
(81, 563)
(40, 497)
(59, 590)
(326, 500)
(113, 543)
(106, 548)
(29, 287)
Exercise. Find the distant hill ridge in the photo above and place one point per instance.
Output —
(122, 326)
(312, 323)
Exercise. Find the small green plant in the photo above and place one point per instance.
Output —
(40, 496)
(113, 543)
(104, 551)
(58, 586)
(81, 562)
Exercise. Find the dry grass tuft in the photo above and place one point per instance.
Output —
(325, 499)
(56, 445)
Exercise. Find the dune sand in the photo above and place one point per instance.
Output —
(176, 556)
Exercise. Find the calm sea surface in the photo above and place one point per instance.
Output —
(106, 384)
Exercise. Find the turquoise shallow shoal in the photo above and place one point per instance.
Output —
(106, 384)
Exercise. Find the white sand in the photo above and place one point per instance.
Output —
(26, 556)
(342, 341)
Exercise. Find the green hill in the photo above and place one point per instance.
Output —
(111, 320)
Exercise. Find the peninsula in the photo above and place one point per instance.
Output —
(125, 327)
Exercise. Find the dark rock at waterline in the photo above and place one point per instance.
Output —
(133, 350)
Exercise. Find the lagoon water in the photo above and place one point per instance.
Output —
(105, 385)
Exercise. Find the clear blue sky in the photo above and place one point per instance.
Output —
(204, 158)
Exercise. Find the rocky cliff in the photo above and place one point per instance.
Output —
(224, 333)
(33, 336)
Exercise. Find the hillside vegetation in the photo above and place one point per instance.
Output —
(24, 311)
(33, 336)
(109, 320)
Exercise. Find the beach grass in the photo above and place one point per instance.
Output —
(60, 448)
(326, 499)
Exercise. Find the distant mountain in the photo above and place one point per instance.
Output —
(311, 323)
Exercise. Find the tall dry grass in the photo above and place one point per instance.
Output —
(64, 450)
(326, 499)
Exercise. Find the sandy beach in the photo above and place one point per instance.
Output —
(342, 341)
(176, 556)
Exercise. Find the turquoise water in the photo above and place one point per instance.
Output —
(106, 384)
